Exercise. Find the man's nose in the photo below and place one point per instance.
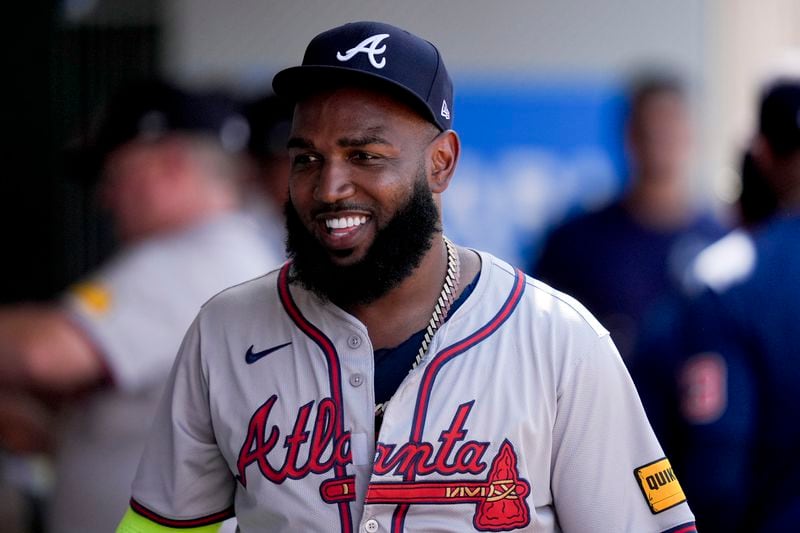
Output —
(334, 183)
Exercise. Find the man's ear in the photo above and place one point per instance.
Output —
(443, 156)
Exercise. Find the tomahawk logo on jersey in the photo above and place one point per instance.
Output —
(487, 434)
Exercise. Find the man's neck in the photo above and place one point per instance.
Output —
(407, 308)
(659, 203)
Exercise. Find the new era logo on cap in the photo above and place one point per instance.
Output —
(374, 52)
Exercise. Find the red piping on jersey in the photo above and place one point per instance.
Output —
(334, 375)
(183, 524)
(436, 364)
(688, 527)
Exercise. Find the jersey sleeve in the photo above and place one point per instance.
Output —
(133, 522)
(183, 479)
(609, 472)
(135, 310)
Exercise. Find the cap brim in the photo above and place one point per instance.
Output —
(295, 83)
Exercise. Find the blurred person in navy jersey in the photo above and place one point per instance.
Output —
(661, 339)
(172, 181)
(724, 400)
(619, 260)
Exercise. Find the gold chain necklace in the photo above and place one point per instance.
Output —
(446, 299)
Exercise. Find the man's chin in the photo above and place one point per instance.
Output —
(345, 257)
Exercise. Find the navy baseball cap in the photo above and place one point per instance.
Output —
(779, 118)
(151, 109)
(270, 119)
(374, 53)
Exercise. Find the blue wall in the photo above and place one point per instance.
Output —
(533, 153)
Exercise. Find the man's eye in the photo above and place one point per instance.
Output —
(363, 156)
(304, 159)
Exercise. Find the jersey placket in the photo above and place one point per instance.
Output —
(419, 384)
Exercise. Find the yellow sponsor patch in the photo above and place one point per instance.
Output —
(659, 485)
(95, 297)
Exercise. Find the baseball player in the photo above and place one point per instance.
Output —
(621, 260)
(173, 191)
(386, 379)
(734, 376)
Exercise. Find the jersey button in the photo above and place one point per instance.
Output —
(371, 526)
(354, 341)
(356, 380)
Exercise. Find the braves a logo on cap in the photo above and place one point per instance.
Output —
(369, 46)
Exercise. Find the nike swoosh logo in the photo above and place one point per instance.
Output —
(251, 357)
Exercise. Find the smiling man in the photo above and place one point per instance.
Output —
(385, 379)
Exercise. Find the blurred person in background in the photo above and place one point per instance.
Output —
(267, 186)
(757, 201)
(619, 260)
(172, 181)
(662, 341)
(270, 119)
(732, 430)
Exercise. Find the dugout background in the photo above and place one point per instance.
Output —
(62, 59)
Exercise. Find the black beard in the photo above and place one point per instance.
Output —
(395, 253)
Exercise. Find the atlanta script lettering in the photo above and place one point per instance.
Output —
(318, 450)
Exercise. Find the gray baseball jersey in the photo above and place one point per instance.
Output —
(522, 417)
(136, 309)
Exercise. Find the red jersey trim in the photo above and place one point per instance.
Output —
(443, 357)
(181, 524)
(334, 376)
(688, 527)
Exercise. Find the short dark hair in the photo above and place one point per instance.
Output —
(779, 116)
(651, 83)
(270, 119)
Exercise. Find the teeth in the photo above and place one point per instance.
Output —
(345, 222)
